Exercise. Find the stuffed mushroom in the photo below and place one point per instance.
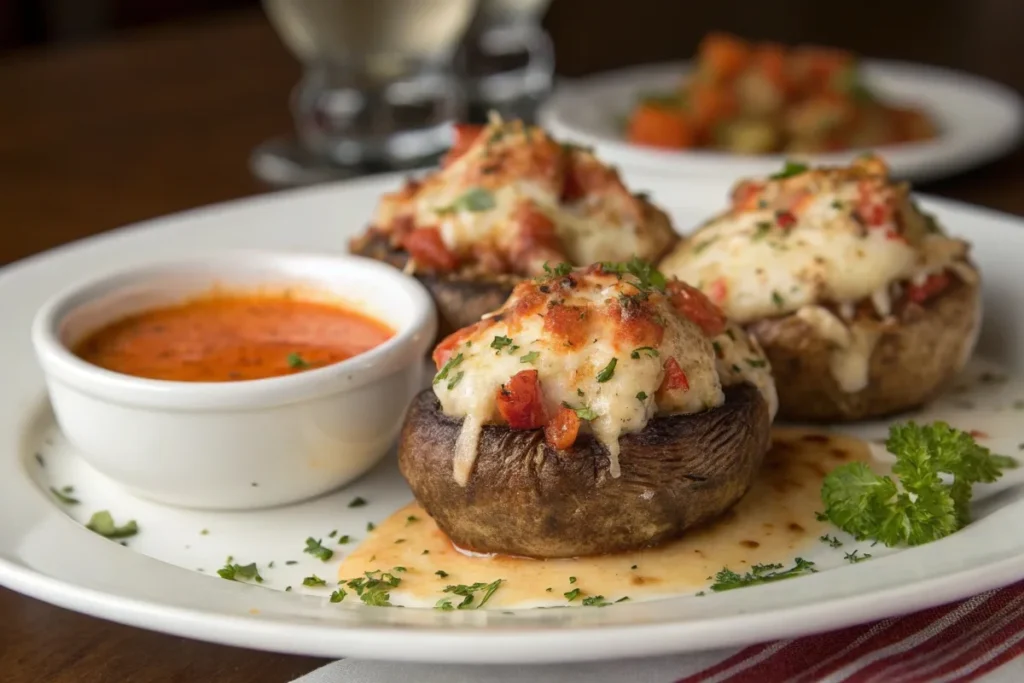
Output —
(597, 411)
(863, 306)
(508, 199)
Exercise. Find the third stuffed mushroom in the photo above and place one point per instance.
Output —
(861, 302)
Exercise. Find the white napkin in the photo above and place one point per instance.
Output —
(649, 670)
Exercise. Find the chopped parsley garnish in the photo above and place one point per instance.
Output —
(314, 548)
(572, 579)
(595, 601)
(455, 380)
(370, 526)
(530, 357)
(338, 595)
(357, 502)
(641, 396)
(855, 557)
(453, 362)
(39, 460)
(62, 495)
(313, 580)
(287, 589)
(470, 593)
(291, 562)
(608, 370)
(500, 343)
(204, 532)
(399, 540)
(332, 534)
(411, 518)
(832, 541)
(757, 362)
(234, 572)
(701, 246)
(561, 270)
(296, 361)
(473, 200)
(921, 507)
(102, 523)
(444, 604)
(726, 579)
(790, 169)
(761, 230)
(583, 412)
(374, 588)
(648, 277)
(624, 598)
(442, 573)
(572, 595)
(837, 205)
(649, 350)
(777, 299)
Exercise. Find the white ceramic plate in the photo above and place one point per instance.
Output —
(154, 582)
(979, 121)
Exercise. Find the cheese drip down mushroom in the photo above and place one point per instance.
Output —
(602, 350)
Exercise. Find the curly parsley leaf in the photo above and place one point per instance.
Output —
(103, 524)
(790, 169)
(584, 412)
(374, 588)
(234, 572)
(922, 507)
(473, 200)
(561, 270)
(452, 363)
(647, 276)
(316, 549)
(480, 592)
(313, 580)
(62, 495)
(607, 371)
(726, 579)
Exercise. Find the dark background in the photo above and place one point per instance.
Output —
(982, 36)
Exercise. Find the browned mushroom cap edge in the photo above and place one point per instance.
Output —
(526, 498)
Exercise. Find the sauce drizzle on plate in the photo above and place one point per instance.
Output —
(774, 522)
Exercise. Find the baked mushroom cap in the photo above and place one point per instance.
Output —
(527, 498)
(507, 200)
(917, 354)
(864, 307)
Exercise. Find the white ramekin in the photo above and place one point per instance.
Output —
(237, 445)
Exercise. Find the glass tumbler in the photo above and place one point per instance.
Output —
(506, 59)
(378, 91)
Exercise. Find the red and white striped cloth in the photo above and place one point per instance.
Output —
(979, 639)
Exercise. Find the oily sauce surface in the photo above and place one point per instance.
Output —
(221, 338)
(774, 522)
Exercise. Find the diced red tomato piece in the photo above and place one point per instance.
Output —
(719, 289)
(675, 378)
(561, 431)
(428, 249)
(520, 401)
(660, 127)
(536, 240)
(443, 351)
(693, 303)
(935, 284)
(746, 194)
(465, 135)
(785, 219)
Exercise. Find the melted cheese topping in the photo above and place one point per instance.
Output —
(601, 346)
(824, 236)
(512, 179)
(819, 239)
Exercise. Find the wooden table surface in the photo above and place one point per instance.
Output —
(162, 120)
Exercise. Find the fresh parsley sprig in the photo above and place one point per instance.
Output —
(920, 506)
